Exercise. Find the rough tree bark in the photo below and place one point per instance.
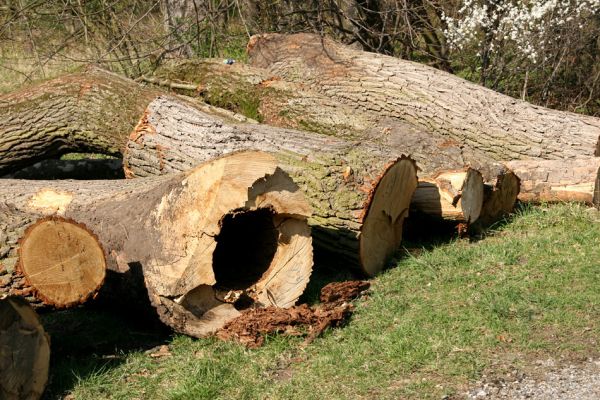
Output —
(52, 261)
(294, 105)
(438, 102)
(92, 111)
(201, 244)
(24, 351)
(558, 180)
(360, 194)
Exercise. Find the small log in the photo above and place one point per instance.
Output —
(451, 195)
(550, 181)
(500, 193)
(193, 243)
(24, 351)
(52, 261)
(359, 193)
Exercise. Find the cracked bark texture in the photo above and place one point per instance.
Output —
(13, 224)
(159, 233)
(295, 105)
(92, 111)
(359, 193)
(437, 102)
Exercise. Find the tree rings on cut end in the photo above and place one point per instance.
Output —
(62, 261)
(24, 351)
(389, 203)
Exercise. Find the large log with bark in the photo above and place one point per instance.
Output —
(296, 105)
(359, 193)
(550, 181)
(91, 111)
(24, 351)
(500, 126)
(200, 245)
(50, 261)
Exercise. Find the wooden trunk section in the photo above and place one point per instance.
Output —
(24, 351)
(451, 195)
(50, 261)
(437, 102)
(178, 238)
(92, 111)
(359, 193)
(549, 181)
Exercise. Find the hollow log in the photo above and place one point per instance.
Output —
(437, 102)
(451, 195)
(51, 261)
(91, 111)
(24, 351)
(359, 193)
(550, 181)
(200, 244)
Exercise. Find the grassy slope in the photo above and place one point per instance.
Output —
(436, 321)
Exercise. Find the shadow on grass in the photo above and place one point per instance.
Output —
(91, 340)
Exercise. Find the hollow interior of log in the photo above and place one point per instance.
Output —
(62, 260)
(245, 248)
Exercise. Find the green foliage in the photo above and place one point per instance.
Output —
(527, 291)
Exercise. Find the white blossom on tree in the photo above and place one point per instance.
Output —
(532, 25)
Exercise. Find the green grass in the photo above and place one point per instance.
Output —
(527, 291)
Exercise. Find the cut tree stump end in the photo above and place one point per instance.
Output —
(62, 261)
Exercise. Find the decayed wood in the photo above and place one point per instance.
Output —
(451, 195)
(24, 351)
(558, 180)
(359, 193)
(500, 126)
(52, 261)
(92, 111)
(195, 242)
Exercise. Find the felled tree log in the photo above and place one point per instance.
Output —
(551, 181)
(51, 261)
(92, 111)
(451, 195)
(196, 242)
(295, 105)
(499, 195)
(438, 102)
(24, 351)
(359, 193)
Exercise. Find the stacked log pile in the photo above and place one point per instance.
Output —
(224, 211)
